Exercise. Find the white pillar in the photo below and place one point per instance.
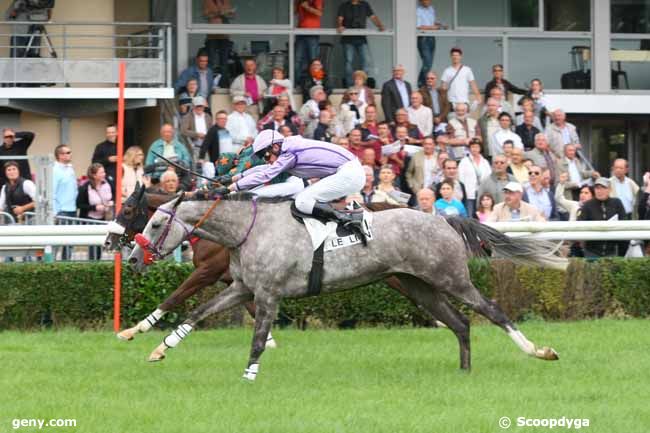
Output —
(405, 40)
(182, 43)
(600, 50)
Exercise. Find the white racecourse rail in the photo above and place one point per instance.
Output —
(60, 235)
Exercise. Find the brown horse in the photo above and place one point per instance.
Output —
(211, 260)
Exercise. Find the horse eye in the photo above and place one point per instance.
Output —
(155, 225)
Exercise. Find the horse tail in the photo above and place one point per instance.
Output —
(478, 236)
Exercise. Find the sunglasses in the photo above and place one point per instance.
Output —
(533, 173)
(10, 136)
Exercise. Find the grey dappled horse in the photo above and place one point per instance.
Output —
(271, 257)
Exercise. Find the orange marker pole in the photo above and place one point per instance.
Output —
(118, 195)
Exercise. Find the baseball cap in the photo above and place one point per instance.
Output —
(199, 101)
(601, 181)
(239, 98)
(513, 187)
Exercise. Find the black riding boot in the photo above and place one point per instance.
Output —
(327, 212)
(349, 220)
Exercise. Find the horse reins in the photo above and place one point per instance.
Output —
(154, 250)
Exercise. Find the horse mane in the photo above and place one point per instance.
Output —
(249, 196)
(243, 196)
(380, 206)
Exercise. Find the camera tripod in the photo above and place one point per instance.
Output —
(39, 30)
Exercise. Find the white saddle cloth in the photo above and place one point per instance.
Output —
(320, 233)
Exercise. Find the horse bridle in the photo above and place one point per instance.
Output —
(152, 251)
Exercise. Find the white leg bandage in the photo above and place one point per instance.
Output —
(251, 372)
(520, 340)
(177, 336)
(150, 320)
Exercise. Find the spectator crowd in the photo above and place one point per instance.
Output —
(442, 146)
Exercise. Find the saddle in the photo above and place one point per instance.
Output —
(329, 234)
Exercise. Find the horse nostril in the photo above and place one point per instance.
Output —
(133, 260)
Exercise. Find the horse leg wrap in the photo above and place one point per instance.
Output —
(251, 372)
(150, 320)
(177, 335)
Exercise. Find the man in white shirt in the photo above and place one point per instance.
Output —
(504, 134)
(457, 80)
(240, 124)
(420, 115)
(624, 188)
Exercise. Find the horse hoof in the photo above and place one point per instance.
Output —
(271, 344)
(127, 334)
(548, 354)
(158, 354)
(248, 377)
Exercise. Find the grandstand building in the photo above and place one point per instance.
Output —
(600, 47)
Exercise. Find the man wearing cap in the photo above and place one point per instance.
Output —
(395, 93)
(240, 124)
(513, 208)
(603, 208)
(340, 172)
(196, 125)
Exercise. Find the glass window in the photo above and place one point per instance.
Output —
(479, 53)
(630, 16)
(382, 8)
(379, 62)
(608, 142)
(559, 63)
(567, 16)
(630, 59)
(498, 13)
(250, 12)
(227, 53)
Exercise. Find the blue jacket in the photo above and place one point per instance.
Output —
(193, 72)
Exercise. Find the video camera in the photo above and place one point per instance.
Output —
(36, 10)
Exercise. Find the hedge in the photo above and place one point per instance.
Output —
(81, 295)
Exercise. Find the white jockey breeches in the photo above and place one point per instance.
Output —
(349, 179)
(290, 188)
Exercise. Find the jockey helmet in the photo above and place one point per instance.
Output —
(264, 141)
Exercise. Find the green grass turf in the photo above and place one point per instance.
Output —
(370, 380)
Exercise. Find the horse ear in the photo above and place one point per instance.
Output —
(179, 200)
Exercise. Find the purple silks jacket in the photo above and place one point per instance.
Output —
(300, 157)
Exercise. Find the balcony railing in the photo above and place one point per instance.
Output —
(84, 53)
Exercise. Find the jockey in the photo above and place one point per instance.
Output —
(340, 172)
(232, 164)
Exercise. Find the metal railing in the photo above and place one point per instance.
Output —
(69, 53)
